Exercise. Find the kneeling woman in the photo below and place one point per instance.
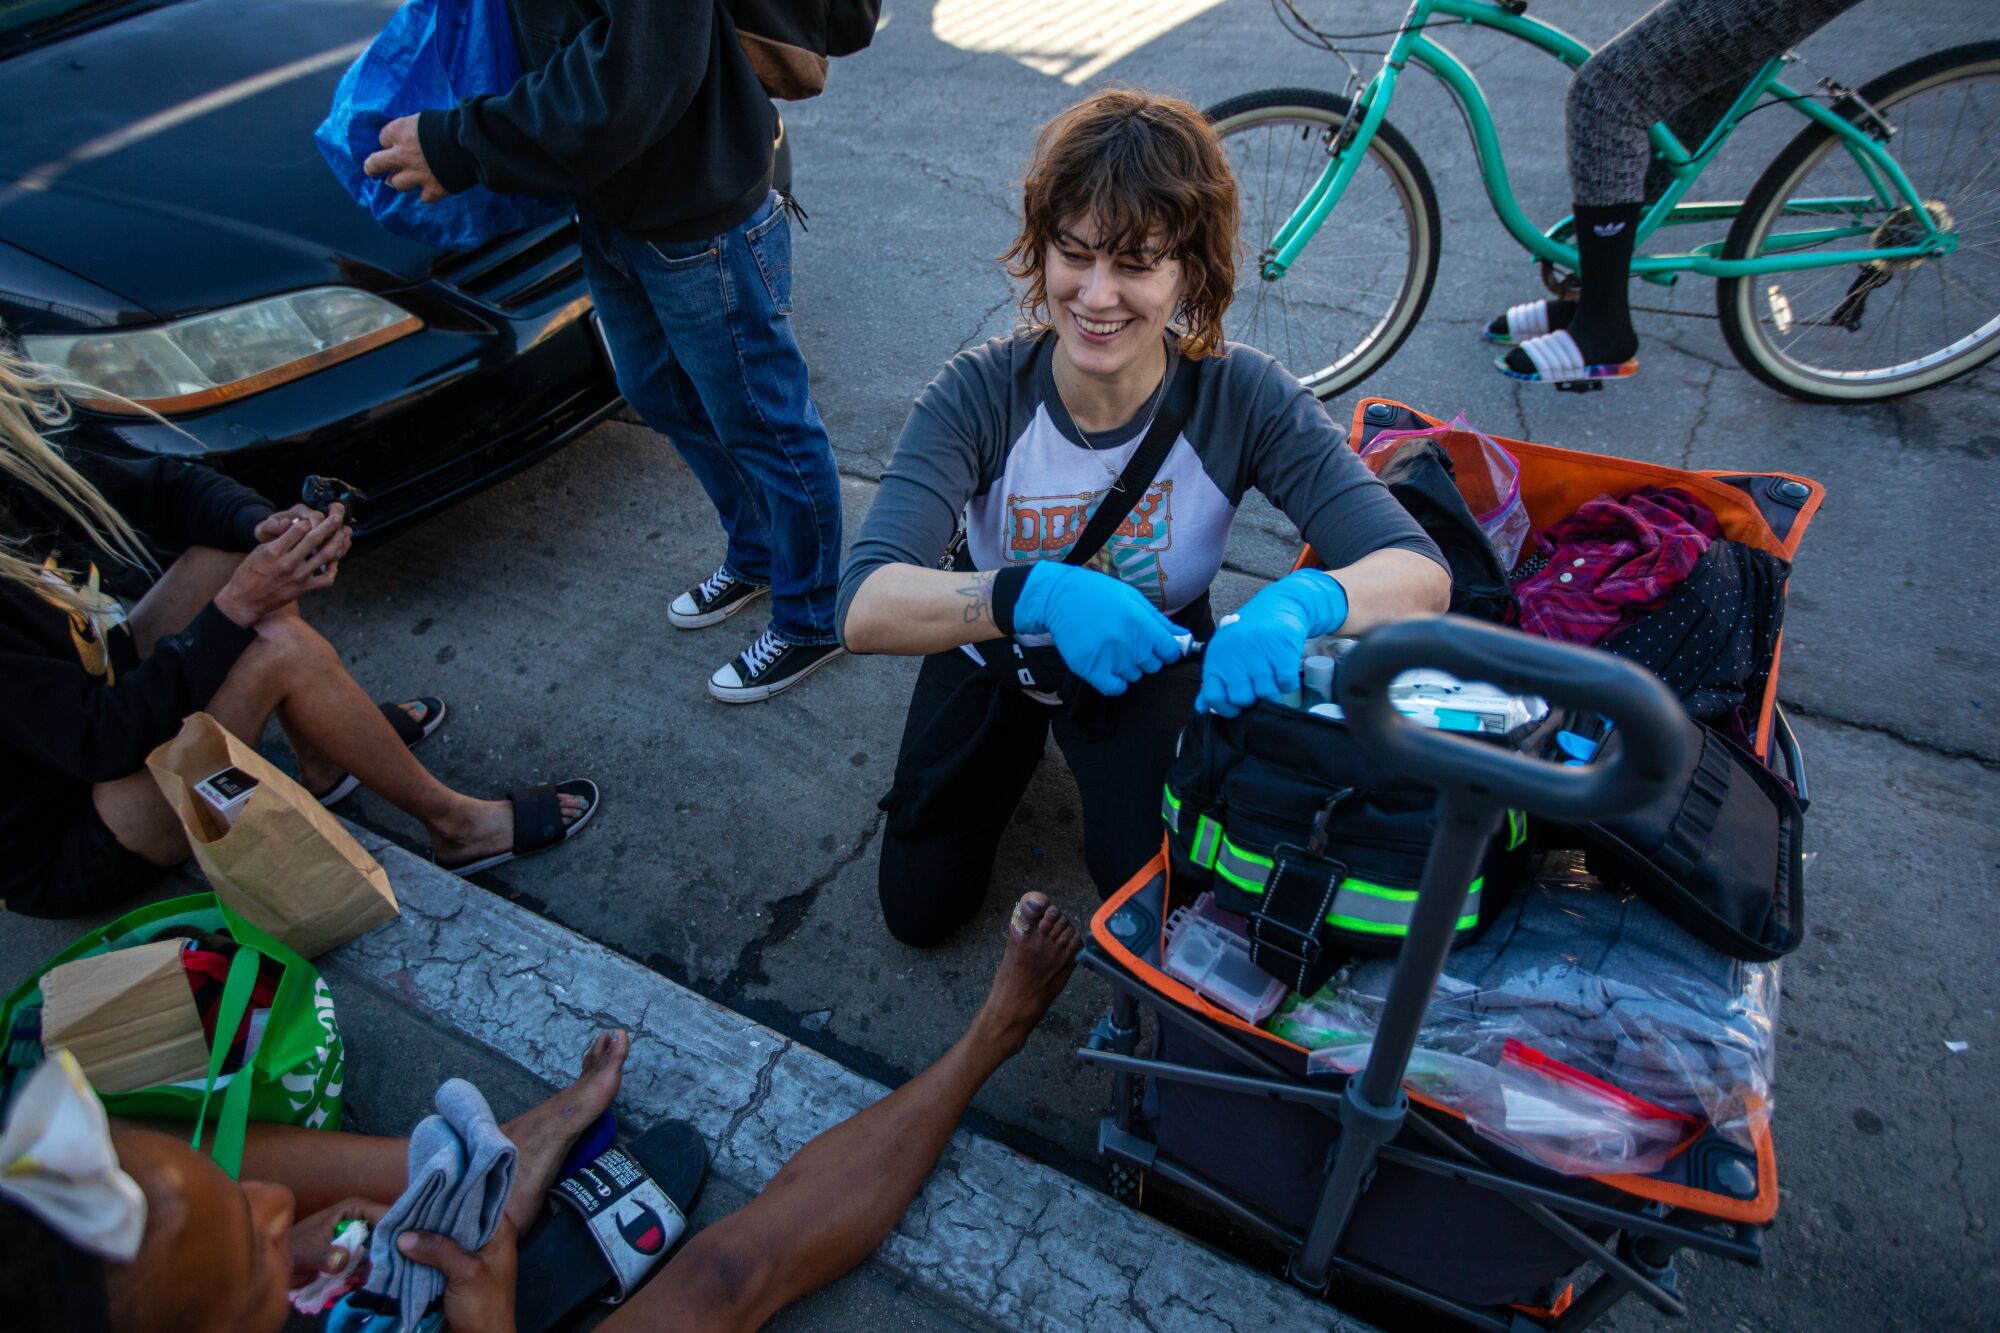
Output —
(1126, 250)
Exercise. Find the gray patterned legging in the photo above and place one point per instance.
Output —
(1679, 50)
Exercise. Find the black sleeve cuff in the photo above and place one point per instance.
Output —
(211, 643)
(1007, 585)
(247, 520)
(454, 168)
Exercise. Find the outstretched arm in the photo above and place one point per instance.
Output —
(839, 1196)
(909, 610)
(1392, 584)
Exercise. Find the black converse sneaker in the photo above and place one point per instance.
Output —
(713, 600)
(768, 666)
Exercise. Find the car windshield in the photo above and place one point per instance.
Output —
(23, 22)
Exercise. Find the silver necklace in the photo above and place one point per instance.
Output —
(1152, 410)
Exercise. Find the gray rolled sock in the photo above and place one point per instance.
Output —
(461, 1172)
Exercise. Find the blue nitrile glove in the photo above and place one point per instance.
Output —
(1105, 629)
(1256, 656)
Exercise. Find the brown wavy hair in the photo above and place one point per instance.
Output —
(1141, 167)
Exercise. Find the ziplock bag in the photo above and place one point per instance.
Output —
(1487, 476)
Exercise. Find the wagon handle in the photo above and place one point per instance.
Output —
(1645, 711)
(1475, 781)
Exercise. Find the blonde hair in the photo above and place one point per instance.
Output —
(33, 401)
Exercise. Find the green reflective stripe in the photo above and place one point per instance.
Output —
(1246, 870)
(1517, 828)
(1360, 905)
(1170, 810)
(1207, 842)
(1231, 871)
(1466, 922)
(1399, 895)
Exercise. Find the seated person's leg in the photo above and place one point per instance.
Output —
(932, 881)
(293, 671)
(1121, 770)
(839, 1197)
(177, 596)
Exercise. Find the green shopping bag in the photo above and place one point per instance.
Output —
(295, 1075)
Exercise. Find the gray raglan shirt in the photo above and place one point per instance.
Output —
(989, 439)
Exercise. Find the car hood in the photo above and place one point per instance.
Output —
(168, 156)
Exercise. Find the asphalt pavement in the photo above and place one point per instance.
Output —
(738, 847)
(736, 853)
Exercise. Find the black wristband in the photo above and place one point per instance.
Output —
(1007, 585)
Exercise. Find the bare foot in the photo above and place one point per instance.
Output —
(1042, 945)
(543, 1134)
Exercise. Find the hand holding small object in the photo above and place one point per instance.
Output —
(312, 1245)
(1257, 654)
(1105, 629)
(302, 557)
(479, 1284)
(276, 523)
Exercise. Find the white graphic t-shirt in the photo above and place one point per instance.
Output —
(990, 442)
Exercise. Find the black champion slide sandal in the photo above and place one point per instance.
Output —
(538, 822)
(611, 1224)
(409, 730)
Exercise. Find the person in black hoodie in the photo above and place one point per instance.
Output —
(648, 113)
(91, 688)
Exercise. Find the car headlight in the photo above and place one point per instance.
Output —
(207, 360)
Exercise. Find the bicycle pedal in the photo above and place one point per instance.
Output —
(1579, 386)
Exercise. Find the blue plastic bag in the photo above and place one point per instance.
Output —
(430, 56)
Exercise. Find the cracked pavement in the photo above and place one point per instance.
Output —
(735, 853)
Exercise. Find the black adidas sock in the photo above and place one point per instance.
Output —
(1602, 325)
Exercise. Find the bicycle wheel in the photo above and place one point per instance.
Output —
(1879, 330)
(1359, 285)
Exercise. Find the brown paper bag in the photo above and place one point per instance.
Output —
(127, 1016)
(286, 865)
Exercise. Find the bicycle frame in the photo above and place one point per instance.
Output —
(1885, 177)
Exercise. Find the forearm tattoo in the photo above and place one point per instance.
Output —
(978, 595)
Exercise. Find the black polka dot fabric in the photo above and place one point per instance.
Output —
(1713, 640)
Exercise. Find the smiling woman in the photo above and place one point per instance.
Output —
(1096, 460)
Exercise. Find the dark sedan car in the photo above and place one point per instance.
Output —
(169, 232)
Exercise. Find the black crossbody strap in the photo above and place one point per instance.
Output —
(1144, 464)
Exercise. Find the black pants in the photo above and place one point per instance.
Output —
(933, 881)
(81, 869)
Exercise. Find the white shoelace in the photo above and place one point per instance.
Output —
(763, 652)
(715, 585)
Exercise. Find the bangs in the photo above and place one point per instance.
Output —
(1116, 206)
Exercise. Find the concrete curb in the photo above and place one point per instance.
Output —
(993, 1232)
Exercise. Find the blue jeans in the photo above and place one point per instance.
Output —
(701, 334)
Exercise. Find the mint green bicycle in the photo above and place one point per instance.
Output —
(1864, 263)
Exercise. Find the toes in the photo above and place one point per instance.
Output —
(604, 1046)
(1032, 908)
